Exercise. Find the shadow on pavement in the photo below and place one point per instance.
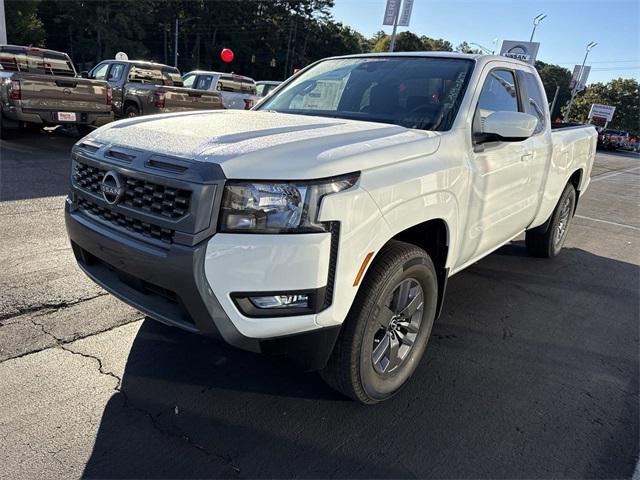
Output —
(532, 371)
(36, 164)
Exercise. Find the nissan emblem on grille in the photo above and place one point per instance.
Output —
(111, 187)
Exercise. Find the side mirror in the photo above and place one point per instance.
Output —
(508, 126)
(84, 74)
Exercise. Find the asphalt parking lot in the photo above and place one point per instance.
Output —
(532, 370)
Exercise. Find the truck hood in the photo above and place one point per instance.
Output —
(268, 145)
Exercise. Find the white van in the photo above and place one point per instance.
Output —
(238, 92)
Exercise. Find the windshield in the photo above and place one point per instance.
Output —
(414, 92)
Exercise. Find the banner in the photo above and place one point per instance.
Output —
(574, 76)
(525, 51)
(583, 78)
(391, 11)
(405, 16)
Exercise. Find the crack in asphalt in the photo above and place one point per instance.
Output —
(127, 403)
(48, 306)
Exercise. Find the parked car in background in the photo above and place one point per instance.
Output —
(610, 139)
(143, 88)
(238, 92)
(40, 87)
(264, 87)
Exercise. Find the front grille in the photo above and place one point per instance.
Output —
(141, 195)
(134, 225)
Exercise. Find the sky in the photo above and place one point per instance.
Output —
(570, 25)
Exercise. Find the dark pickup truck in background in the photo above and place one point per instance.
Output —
(40, 87)
(143, 88)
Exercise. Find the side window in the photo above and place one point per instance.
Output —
(100, 72)
(498, 93)
(188, 80)
(260, 90)
(534, 100)
(204, 82)
(115, 73)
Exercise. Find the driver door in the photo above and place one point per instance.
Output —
(502, 196)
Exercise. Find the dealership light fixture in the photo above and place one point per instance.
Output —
(536, 22)
(589, 47)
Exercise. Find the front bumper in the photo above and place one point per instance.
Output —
(171, 285)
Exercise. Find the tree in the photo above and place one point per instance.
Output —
(436, 45)
(464, 47)
(624, 94)
(24, 27)
(555, 76)
(405, 42)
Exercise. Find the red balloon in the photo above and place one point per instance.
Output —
(226, 55)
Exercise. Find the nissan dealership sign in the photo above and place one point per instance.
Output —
(525, 51)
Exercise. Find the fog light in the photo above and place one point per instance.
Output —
(281, 301)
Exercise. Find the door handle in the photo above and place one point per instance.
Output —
(526, 156)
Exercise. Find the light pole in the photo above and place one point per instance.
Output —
(590, 45)
(392, 43)
(536, 22)
(484, 49)
(175, 50)
(3, 24)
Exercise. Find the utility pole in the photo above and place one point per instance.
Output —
(175, 49)
(392, 43)
(3, 24)
(286, 62)
(536, 21)
(578, 80)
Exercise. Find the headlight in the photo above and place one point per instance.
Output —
(277, 207)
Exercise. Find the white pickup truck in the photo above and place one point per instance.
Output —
(323, 225)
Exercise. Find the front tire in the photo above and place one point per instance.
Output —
(387, 329)
(548, 244)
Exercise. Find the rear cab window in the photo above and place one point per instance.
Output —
(155, 74)
(35, 60)
(248, 86)
(227, 83)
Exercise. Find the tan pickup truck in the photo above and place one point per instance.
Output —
(145, 88)
(41, 87)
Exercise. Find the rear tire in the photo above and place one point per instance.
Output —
(548, 244)
(387, 329)
(131, 111)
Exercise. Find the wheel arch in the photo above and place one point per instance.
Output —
(131, 101)
(433, 236)
(576, 180)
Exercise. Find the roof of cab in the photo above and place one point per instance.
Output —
(211, 72)
(478, 58)
(35, 49)
(141, 62)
